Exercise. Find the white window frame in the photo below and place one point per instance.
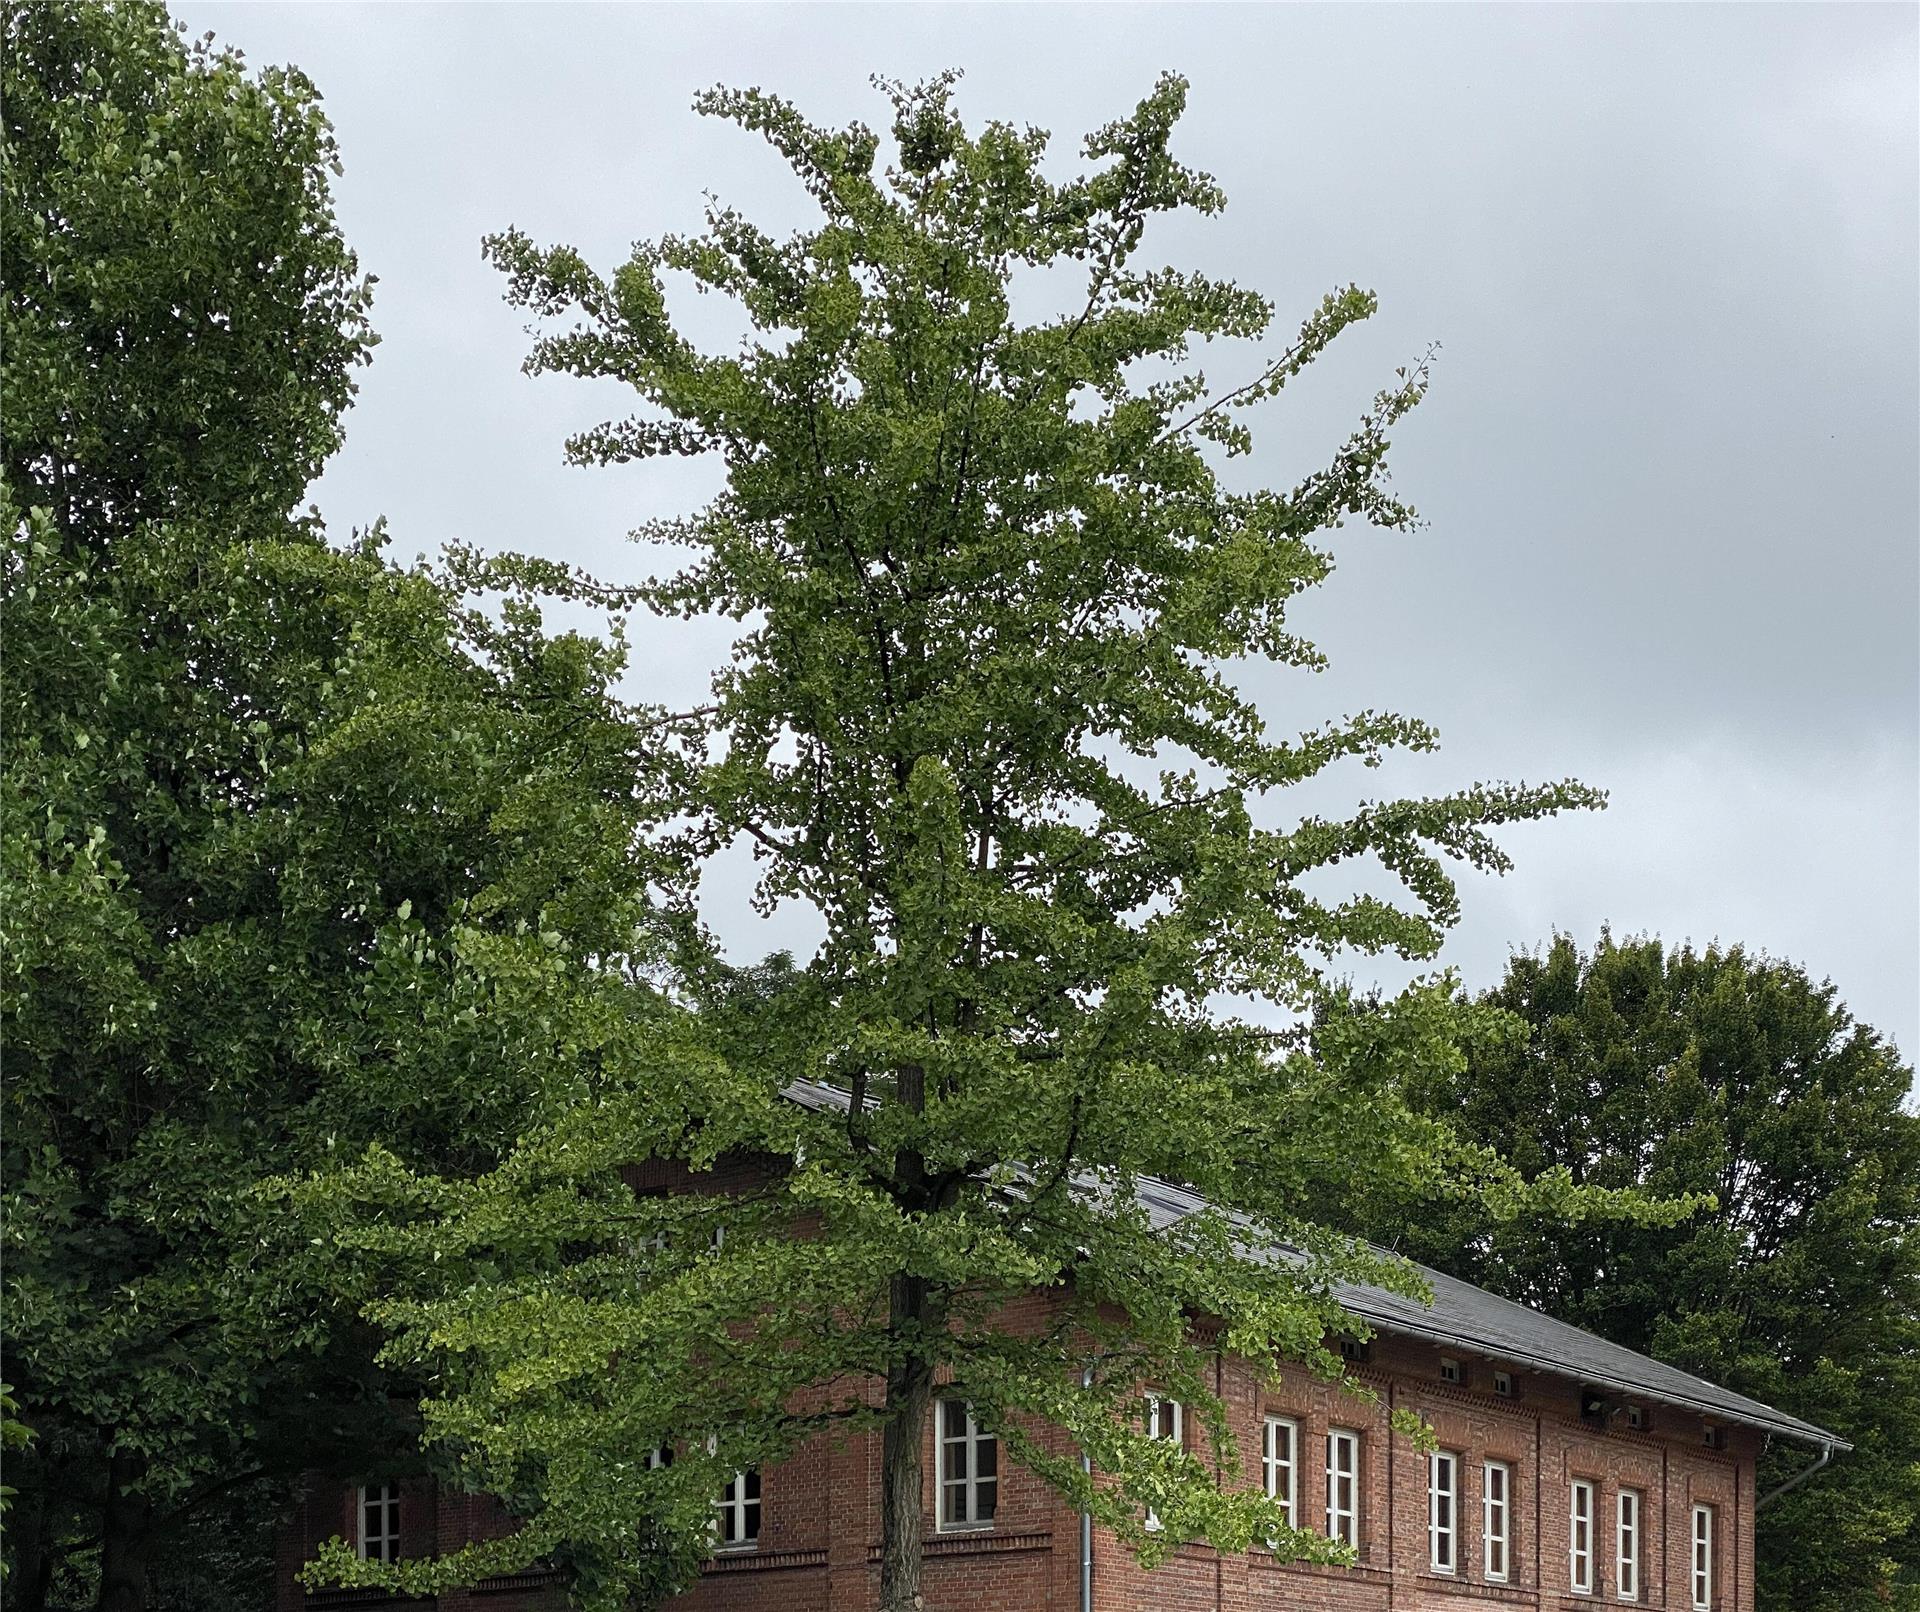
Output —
(1496, 1521)
(732, 1508)
(1280, 1473)
(1163, 1418)
(733, 1503)
(1701, 1570)
(1343, 1461)
(661, 1455)
(381, 1544)
(1443, 1511)
(1630, 1517)
(1580, 1497)
(967, 1487)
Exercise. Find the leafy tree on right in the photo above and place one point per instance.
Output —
(1730, 1073)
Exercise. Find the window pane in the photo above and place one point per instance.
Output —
(1628, 1554)
(379, 1522)
(1494, 1534)
(1343, 1448)
(969, 1466)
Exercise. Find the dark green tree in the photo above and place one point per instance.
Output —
(1723, 1072)
(993, 576)
(300, 849)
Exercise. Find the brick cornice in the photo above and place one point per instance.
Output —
(977, 1542)
(763, 1561)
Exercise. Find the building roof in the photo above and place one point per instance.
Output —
(1472, 1319)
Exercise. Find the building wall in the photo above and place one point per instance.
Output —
(819, 1543)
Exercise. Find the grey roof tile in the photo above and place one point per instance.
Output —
(1473, 1319)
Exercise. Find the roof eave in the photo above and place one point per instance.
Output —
(1805, 1432)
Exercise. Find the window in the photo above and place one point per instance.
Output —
(1503, 1384)
(1627, 1550)
(1450, 1371)
(1354, 1350)
(660, 1455)
(1496, 1519)
(1580, 1538)
(1162, 1419)
(1279, 1447)
(1443, 1499)
(1637, 1418)
(1703, 1558)
(650, 1241)
(966, 1464)
(736, 1524)
(380, 1523)
(1343, 1485)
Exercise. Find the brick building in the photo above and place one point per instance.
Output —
(1570, 1473)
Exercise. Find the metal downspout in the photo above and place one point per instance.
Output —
(1794, 1482)
(1086, 1519)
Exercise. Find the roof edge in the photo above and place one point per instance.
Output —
(1785, 1426)
(816, 1094)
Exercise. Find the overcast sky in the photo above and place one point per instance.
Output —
(1669, 461)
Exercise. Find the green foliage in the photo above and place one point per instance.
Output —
(183, 319)
(300, 849)
(1731, 1074)
(14, 1435)
(992, 578)
(217, 1557)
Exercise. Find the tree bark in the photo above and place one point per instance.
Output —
(32, 1577)
(126, 1537)
(911, 1317)
(909, 1398)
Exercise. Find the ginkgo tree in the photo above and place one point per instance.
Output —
(981, 718)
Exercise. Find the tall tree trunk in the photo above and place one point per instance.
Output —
(909, 1397)
(126, 1537)
(32, 1576)
(911, 1317)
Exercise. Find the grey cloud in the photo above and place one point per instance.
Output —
(1669, 458)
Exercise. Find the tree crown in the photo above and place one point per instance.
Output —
(981, 718)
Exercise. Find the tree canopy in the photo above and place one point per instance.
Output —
(1728, 1073)
(301, 848)
(993, 577)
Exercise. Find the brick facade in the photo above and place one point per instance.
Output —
(819, 1543)
(818, 1547)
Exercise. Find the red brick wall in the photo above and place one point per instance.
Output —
(819, 1541)
(819, 1537)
